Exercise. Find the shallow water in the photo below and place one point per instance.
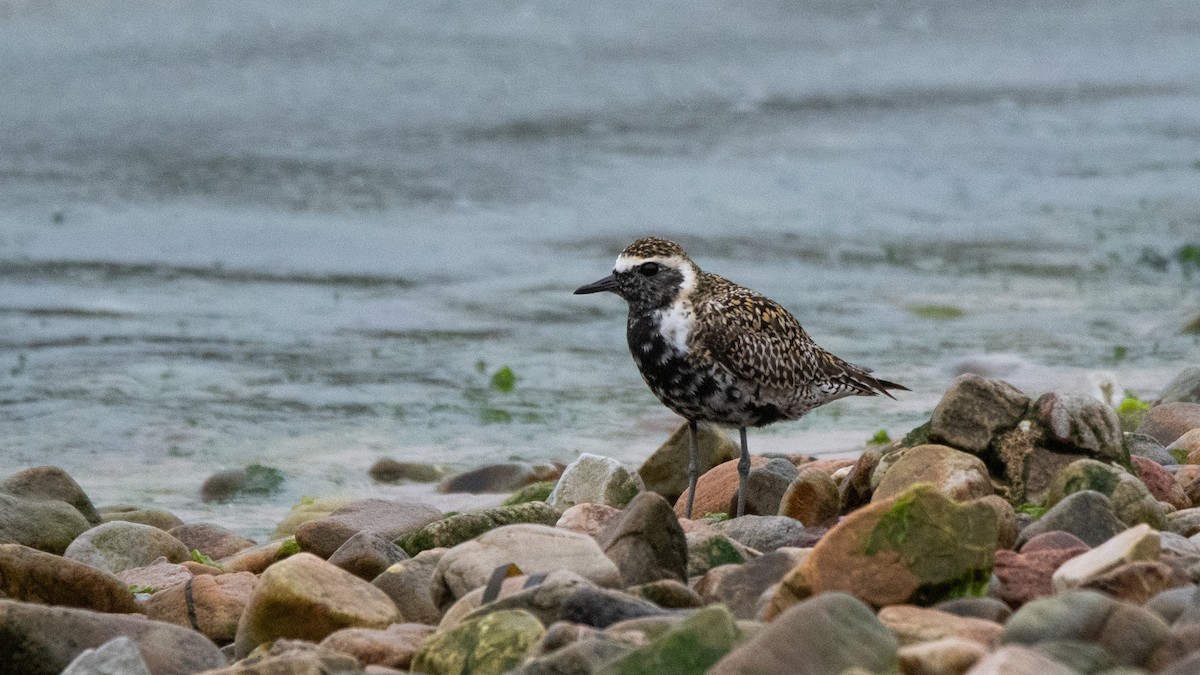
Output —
(306, 236)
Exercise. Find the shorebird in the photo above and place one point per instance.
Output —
(714, 351)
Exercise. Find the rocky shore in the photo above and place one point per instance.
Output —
(1008, 534)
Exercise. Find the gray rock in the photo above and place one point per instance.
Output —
(118, 546)
(829, 633)
(118, 656)
(665, 471)
(1018, 660)
(366, 555)
(765, 487)
(1173, 602)
(50, 483)
(544, 600)
(582, 657)
(40, 640)
(1128, 632)
(601, 608)
(1185, 388)
(387, 518)
(740, 587)
(646, 542)
(1141, 445)
(499, 478)
(45, 525)
(1088, 515)
(990, 609)
(974, 410)
(1131, 499)
(409, 584)
(765, 533)
(592, 479)
(1080, 424)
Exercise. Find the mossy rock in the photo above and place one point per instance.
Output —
(456, 529)
(1130, 498)
(490, 645)
(534, 492)
(691, 647)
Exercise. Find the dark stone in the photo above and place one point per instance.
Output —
(668, 594)
(974, 410)
(665, 471)
(767, 533)
(646, 541)
(366, 555)
(499, 478)
(51, 483)
(454, 530)
(601, 608)
(1141, 445)
(409, 584)
(47, 525)
(990, 609)
(388, 470)
(855, 489)
(741, 587)
(1087, 514)
(765, 487)
(389, 519)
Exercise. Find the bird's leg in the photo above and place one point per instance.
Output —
(743, 474)
(693, 465)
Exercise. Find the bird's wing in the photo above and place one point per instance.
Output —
(759, 341)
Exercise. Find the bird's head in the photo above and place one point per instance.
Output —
(649, 274)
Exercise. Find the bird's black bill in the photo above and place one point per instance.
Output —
(608, 283)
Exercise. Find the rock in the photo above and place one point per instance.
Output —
(916, 547)
(1184, 388)
(491, 644)
(765, 487)
(1129, 633)
(707, 550)
(979, 608)
(1186, 657)
(714, 489)
(974, 410)
(665, 471)
(44, 640)
(214, 541)
(118, 656)
(255, 480)
(30, 575)
(308, 508)
(1136, 543)
(1078, 423)
(499, 478)
(1017, 660)
(1162, 485)
(393, 646)
(258, 558)
(160, 518)
(855, 488)
(1168, 421)
(50, 483)
(955, 474)
(366, 555)
(691, 647)
(1188, 478)
(156, 576)
(1026, 576)
(1054, 540)
(830, 633)
(534, 492)
(741, 587)
(512, 584)
(307, 598)
(812, 498)
(42, 524)
(532, 548)
(949, 656)
(409, 584)
(117, 546)
(580, 657)
(1029, 469)
(1007, 524)
(589, 519)
(1187, 445)
(456, 529)
(545, 600)
(668, 594)
(211, 604)
(1088, 515)
(766, 533)
(1132, 502)
(602, 608)
(390, 519)
(592, 479)
(293, 657)
(1185, 522)
(1141, 445)
(646, 542)
(388, 470)
(1170, 604)
(913, 625)
(1136, 582)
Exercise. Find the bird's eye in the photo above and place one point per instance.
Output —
(648, 269)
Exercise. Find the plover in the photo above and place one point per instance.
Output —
(714, 351)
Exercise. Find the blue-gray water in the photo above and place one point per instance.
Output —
(305, 235)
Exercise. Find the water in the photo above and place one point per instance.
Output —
(306, 236)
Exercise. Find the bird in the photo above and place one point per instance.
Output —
(714, 351)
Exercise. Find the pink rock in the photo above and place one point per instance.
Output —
(1160, 483)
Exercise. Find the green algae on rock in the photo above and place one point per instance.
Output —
(453, 530)
(489, 645)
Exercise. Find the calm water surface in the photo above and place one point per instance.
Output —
(305, 235)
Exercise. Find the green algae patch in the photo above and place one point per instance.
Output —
(936, 312)
(534, 492)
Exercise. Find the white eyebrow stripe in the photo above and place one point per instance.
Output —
(625, 263)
